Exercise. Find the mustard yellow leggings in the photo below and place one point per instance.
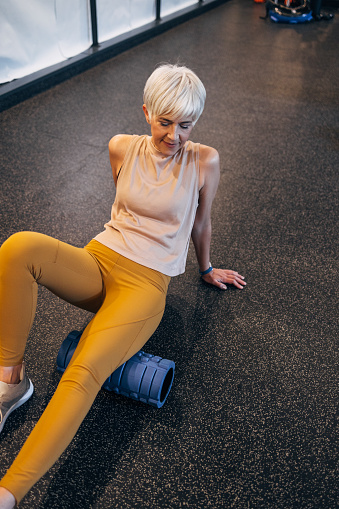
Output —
(128, 300)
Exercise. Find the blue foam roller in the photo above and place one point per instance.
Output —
(132, 376)
(67, 349)
(144, 377)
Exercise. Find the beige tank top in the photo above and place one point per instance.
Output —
(155, 206)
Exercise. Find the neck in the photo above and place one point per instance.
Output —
(155, 148)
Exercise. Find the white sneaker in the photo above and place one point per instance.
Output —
(13, 397)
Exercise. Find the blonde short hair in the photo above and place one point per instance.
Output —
(175, 91)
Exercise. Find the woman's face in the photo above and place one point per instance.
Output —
(168, 134)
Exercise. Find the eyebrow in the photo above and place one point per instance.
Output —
(171, 121)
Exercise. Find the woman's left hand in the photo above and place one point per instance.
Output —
(219, 278)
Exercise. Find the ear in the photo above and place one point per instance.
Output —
(147, 115)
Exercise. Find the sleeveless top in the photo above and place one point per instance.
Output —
(155, 206)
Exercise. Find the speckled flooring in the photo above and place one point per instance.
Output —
(250, 420)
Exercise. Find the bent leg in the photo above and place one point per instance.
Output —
(28, 259)
(131, 312)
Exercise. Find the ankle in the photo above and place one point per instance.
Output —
(7, 500)
(10, 374)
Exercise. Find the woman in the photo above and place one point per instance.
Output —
(165, 188)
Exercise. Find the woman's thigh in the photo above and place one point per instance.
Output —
(70, 272)
(73, 275)
(131, 312)
(28, 259)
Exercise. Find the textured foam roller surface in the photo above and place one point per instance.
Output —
(144, 377)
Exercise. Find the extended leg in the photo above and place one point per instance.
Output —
(132, 310)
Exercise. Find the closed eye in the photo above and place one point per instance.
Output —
(183, 125)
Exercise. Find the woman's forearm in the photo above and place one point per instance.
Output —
(202, 241)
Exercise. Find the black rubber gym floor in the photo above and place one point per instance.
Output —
(250, 420)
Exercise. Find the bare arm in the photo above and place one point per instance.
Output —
(202, 229)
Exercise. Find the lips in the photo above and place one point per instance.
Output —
(171, 145)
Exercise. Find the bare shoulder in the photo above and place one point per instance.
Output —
(118, 145)
(117, 148)
(208, 155)
(209, 163)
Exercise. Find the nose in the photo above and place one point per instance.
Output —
(173, 132)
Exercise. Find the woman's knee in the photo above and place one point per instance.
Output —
(24, 246)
